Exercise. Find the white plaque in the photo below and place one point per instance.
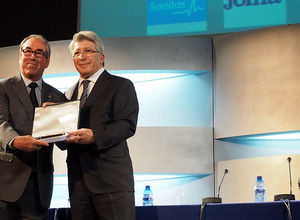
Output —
(51, 124)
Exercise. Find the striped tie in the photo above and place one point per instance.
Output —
(84, 93)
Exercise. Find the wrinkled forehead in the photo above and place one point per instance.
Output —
(84, 44)
(35, 43)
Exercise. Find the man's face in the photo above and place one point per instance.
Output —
(87, 59)
(32, 65)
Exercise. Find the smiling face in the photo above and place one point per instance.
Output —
(31, 66)
(87, 60)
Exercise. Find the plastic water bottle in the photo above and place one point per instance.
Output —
(147, 196)
(259, 190)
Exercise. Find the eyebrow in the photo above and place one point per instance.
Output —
(32, 49)
(85, 48)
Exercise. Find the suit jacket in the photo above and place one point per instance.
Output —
(111, 111)
(16, 118)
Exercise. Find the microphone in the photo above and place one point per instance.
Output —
(290, 196)
(225, 172)
(289, 160)
(215, 199)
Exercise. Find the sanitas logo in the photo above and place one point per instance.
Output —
(156, 7)
(177, 7)
(241, 3)
(175, 16)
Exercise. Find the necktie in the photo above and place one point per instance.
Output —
(33, 155)
(32, 94)
(84, 93)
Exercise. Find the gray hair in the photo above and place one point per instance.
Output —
(38, 36)
(90, 36)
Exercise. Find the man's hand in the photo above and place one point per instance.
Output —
(81, 136)
(45, 104)
(28, 143)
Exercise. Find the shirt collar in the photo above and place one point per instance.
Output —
(93, 78)
(28, 81)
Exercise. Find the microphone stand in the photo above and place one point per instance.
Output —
(215, 199)
(225, 172)
(212, 199)
(286, 196)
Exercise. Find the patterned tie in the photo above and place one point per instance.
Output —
(84, 93)
(32, 94)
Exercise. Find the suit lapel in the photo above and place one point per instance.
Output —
(75, 93)
(46, 95)
(19, 87)
(98, 88)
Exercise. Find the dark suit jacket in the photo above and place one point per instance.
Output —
(111, 111)
(16, 118)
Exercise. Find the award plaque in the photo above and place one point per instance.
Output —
(52, 123)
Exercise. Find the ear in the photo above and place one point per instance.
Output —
(102, 58)
(47, 62)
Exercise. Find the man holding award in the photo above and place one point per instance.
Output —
(26, 168)
(100, 174)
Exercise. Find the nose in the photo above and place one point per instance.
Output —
(32, 55)
(82, 55)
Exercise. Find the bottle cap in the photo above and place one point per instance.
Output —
(259, 177)
(147, 186)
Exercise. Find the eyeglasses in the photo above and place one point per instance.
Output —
(85, 52)
(37, 53)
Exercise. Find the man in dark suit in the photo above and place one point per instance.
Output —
(26, 168)
(101, 184)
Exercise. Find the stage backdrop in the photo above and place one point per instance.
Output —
(173, 80)
(121, 18)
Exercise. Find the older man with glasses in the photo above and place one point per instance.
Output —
(100, 174)
(26, 166)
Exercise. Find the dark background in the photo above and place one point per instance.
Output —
(54, 19)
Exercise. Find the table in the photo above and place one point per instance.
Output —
(251, 211)
(232, 211)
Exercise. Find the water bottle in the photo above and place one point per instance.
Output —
(259, 190)
(147, 196)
